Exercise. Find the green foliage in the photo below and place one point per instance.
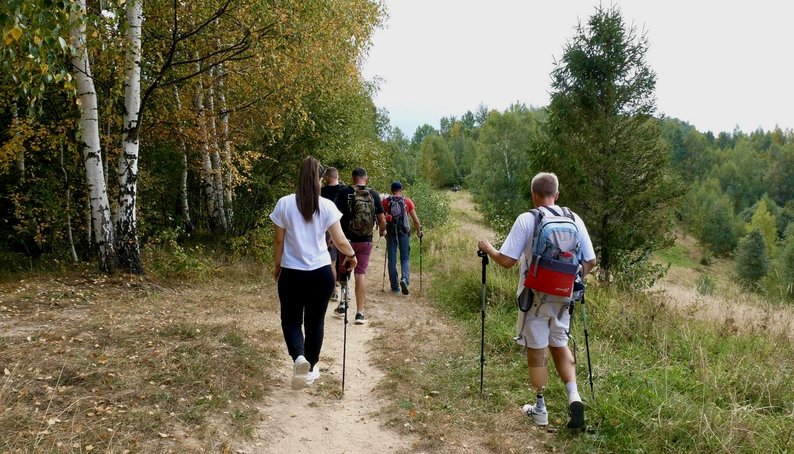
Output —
(706, 284)
(764, 222)
(436, 162)
(752, 261)
(432, 205)
(256, 242)
(603, 143)
(170, 259)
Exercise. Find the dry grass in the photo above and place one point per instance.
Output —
(129, 363)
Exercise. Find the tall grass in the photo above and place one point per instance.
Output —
(663, 381)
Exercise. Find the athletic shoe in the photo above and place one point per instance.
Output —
(340, 310)
(576, 415)
(395, 290)
(312, 375)
(360, 320)
(541, 417)
(335, 296)
(404, 286)
(299, 371)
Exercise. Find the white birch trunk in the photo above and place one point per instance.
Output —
(92, 151)
(126, 224)
(217, 171)
(68, 209)
(206, 163)
(188, 224)
(227, 145)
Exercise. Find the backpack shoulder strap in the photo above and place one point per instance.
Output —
(551, 210)
(568, 213)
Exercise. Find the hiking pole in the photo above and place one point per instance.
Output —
(345, 293)
(484, 256)
(420, 261)
(587, 347)
(385, 256)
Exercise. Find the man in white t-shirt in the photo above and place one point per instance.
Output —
(547, 322)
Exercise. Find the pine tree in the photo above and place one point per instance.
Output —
(752, 262)
(604, 144)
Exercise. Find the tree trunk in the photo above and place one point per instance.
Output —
(92, 150)
(126, 225)
(217, 170)
(227, 145)
(188, 224)
(206, 163)
(75, 259)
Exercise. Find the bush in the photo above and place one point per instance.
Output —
(432, 205)
(752, 262)
(170, 259)
(706, 284)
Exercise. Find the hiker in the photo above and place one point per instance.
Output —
(330, 190)
(302, 268)
(547, 321)
(398, 235)
(361, 208)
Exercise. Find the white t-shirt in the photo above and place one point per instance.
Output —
(518, 243)
(304, 243)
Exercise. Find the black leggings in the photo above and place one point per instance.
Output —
(304, 299)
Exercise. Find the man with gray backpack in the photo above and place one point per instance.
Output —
(398, 209)
(555, 251)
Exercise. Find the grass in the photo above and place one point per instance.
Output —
(129, 363)
(664, 381)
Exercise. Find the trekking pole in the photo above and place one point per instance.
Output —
(587, 347)
(345, 293)
(484, 256)
(385, 256)
(420, 262)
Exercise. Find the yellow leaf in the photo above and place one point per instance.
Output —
(44, 68)
(16, 33)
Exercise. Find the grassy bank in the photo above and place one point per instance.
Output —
(664, 381)
(130, 363)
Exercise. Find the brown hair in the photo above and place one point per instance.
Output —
(307, 196)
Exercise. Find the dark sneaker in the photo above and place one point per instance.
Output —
(335, 297)
(404, 286)
(395, 290)
(340, 310)
(360, 320)
(576, 415)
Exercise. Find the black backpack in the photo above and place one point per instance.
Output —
(399, 215)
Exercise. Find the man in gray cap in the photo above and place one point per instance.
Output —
(398, 235)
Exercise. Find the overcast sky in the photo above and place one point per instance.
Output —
(718, 64)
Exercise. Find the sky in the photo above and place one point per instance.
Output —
(719, 64)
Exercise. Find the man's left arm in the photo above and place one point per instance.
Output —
(380, 214)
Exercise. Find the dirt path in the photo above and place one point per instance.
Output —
(318, 419)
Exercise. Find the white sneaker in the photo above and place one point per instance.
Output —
(541, 417)
(299, 372)
(312, 375)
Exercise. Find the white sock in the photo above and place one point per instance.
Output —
(573, 392)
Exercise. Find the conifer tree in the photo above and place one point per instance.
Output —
(752, 262)
(604, 144)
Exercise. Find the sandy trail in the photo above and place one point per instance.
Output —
(316, 419)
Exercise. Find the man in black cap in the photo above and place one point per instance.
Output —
(398, 235)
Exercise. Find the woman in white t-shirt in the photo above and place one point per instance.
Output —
(302, 268)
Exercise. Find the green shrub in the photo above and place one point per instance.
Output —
(432, 205)
(706, 284)
(170, 259)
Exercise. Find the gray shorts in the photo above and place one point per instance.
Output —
(544, 324)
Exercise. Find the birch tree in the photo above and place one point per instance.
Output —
(101, 221)
(128, 250)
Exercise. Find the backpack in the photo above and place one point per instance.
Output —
(555, 255)
(399, 215)
(362, 212)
